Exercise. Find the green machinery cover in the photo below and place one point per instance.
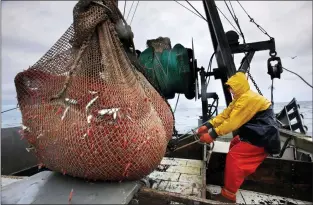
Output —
(170, 69)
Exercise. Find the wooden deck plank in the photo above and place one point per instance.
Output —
(185, 170)
(174, 161)
(178, 176)
(165, 176)
(194, 163)
(181, 187)
(251, 197)
(191, 178)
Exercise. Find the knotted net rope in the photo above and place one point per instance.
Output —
(87, 110)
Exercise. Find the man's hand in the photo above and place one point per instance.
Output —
(205, 128)
(202, 130)
(206, 138)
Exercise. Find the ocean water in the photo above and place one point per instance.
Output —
(186, 117)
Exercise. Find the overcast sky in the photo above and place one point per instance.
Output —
(30, 28)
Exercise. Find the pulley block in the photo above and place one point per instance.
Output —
(274, 70)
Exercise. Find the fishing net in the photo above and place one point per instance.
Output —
(87, 109)
(160, 44)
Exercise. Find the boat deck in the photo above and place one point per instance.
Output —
(50, 187)
(179, 176)
(176, 175)
(251, 197)
(184, 176)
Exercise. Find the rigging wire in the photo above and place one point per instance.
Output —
(124, 8)
(130, 10)
(227, 19)
(252, 20)
(210, 106)
(210, 63)
(232, 9)
(272, 92)
(210, 67)
(248, 71)
(233, 14)
(194, 8)
(190, 10)
(9, 109)
(298, 76)
(244, 42)
(134, 13)
(176, 102)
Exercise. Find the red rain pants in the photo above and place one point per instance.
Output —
(241, 161)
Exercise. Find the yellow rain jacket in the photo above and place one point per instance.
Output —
(250, 112)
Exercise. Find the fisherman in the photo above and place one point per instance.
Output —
(252, 116)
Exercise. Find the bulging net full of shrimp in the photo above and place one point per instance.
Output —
(87, 111)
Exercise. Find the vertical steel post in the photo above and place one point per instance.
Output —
(224, 57)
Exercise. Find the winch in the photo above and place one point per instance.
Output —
(173, 69)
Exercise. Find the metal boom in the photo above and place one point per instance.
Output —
(223, 53)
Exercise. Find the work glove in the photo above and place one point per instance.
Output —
(205, 128)
(208, 137)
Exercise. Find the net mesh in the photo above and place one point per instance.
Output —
(86, 110)
(160, 44)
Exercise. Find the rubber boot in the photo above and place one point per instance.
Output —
(219, 197)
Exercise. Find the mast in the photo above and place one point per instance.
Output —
(226, 66)
(225, 62)
(224, 51)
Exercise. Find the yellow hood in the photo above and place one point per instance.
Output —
(239, 84)
(246, 104)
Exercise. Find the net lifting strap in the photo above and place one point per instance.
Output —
(86, 110)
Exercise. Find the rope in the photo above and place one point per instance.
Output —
(298, 76)
(236, 20)
(244, 42)
(252, 20)
(190, 10)
(134, 13)
(130, 10)
(9, 109)
(176, 103)
(232, 15)
(123, 19)
(233, 9)
(187, 135)
(124, 9)
(210, 106)
(195, 9)
(272, 93)
(227, 19)
(210, 67)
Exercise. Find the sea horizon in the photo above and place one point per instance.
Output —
(186, 118)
